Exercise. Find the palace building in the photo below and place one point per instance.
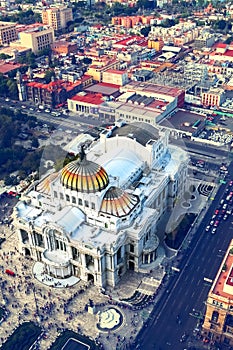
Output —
(218, 322)
(97, 217)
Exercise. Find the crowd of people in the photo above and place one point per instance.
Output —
(55, 309)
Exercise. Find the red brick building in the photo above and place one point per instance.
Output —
(63, 47)
(53, 94)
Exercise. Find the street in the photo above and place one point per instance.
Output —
(187, 290)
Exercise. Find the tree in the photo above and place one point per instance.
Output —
(13, 89)
(117, 8)
(48, 75)
(87, 60)
(145, 4)
(73, 60)
(145, 31)
(35, 143)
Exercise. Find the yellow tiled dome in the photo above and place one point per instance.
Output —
(117, 202)
(44, 185)
(84, 176)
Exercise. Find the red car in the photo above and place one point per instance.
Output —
(10, 273)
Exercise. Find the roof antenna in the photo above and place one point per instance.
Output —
(82, 153)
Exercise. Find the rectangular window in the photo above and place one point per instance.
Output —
(55, 194)
(131, 248)
(93, 205)
(73, 199)
(80, 202)
(86, 204)
(67, 198)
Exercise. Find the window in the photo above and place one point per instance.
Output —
(92, 205)
(73, 199)
(86, 204)
(80, 202)
(61, 196)
(67, 198)
(131, 248)
(55, 194)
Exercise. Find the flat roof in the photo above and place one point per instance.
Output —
(7, 67)
(93, 99)
(179, 118)
(155, 88)
(138, 131)
(223, 283)
(103, 88)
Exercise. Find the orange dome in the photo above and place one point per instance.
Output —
(117, 202)
(84, 176)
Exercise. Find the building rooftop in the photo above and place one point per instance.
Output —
(94, 99)
(223, 283)
(8, 67)
(155, 88)
(103, 88)
(135, 131)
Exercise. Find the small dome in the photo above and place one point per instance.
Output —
(84, 176)
(44, 185)
(117, 202)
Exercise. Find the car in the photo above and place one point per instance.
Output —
(224, 206)
(47, 110)
(216, 212)
(213, 217)
(207, 228)
(183, 338)
(214, 230)
(31, 109)
(24, 107)
(216, 223)
(211, 222)
(225, 217)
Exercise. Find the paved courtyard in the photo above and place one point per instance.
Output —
(62, 304)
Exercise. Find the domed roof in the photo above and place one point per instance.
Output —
(44, 185)
(117, 202)
(84, 176)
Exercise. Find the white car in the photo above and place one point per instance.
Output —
(207, 228)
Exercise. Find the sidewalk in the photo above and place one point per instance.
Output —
(29, 299)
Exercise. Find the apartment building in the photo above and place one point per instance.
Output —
(57, 17)
(214, 97)
(38, 38)
(97, 70)
(8, 33)
(218, 321)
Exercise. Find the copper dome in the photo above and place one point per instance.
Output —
(117, 202)
(84, 176)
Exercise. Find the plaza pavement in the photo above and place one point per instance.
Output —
(56, 308)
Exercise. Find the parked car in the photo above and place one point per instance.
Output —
(207, 228)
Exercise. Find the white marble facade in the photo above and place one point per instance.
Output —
(97, 217)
